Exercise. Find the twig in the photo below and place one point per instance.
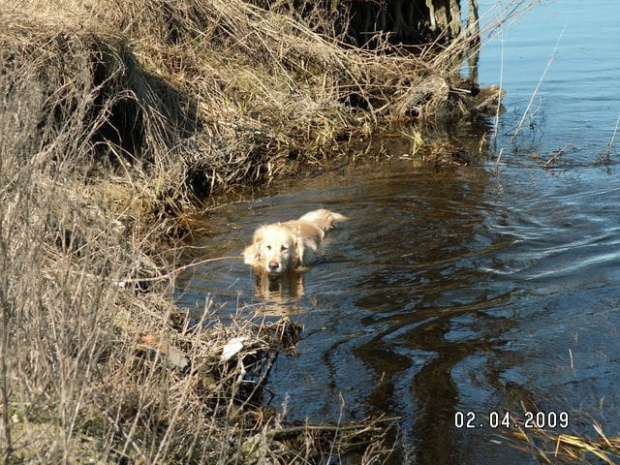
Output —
(501, 86)
(535, 93)
(175, 271)
(330, 428)
(610, 144)
(497, 160)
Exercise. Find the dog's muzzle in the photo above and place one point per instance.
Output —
(274, 266)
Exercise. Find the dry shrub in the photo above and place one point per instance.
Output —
(550, 447)
(93, 369)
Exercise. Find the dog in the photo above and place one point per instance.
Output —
(281, 247)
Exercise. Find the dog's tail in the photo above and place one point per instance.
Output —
(323, 219)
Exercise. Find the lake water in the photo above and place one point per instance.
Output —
(461, 291)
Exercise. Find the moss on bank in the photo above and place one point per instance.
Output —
(115, 117)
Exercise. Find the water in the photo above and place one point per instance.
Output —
(576, 106)
(460, 289)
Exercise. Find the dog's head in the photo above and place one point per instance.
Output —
(277, 247)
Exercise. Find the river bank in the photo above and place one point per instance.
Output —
(119, 120)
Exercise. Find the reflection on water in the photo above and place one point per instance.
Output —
(454, 290)
(284, 288)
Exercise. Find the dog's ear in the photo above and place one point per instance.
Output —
(300, 250)
(258, 235)
(251, 255)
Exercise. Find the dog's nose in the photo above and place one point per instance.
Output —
(273, 265)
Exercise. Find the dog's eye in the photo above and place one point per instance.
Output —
(268, 247)
(283, 248)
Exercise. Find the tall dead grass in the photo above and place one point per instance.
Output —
(550, 447)
(211, 94)
(101, 142)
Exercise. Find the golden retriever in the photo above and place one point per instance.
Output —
(281, 247)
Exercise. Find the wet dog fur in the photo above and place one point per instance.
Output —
(281, 247)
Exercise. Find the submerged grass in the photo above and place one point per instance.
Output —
(115, 117)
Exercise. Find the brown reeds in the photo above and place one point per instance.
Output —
(551, 447)
(213, 93)
(95, 370)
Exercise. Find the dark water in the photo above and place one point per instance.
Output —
(461, 289)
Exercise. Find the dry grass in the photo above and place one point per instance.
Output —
(209, 94)
(554, 448)
(95, 370)
(104, 140)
